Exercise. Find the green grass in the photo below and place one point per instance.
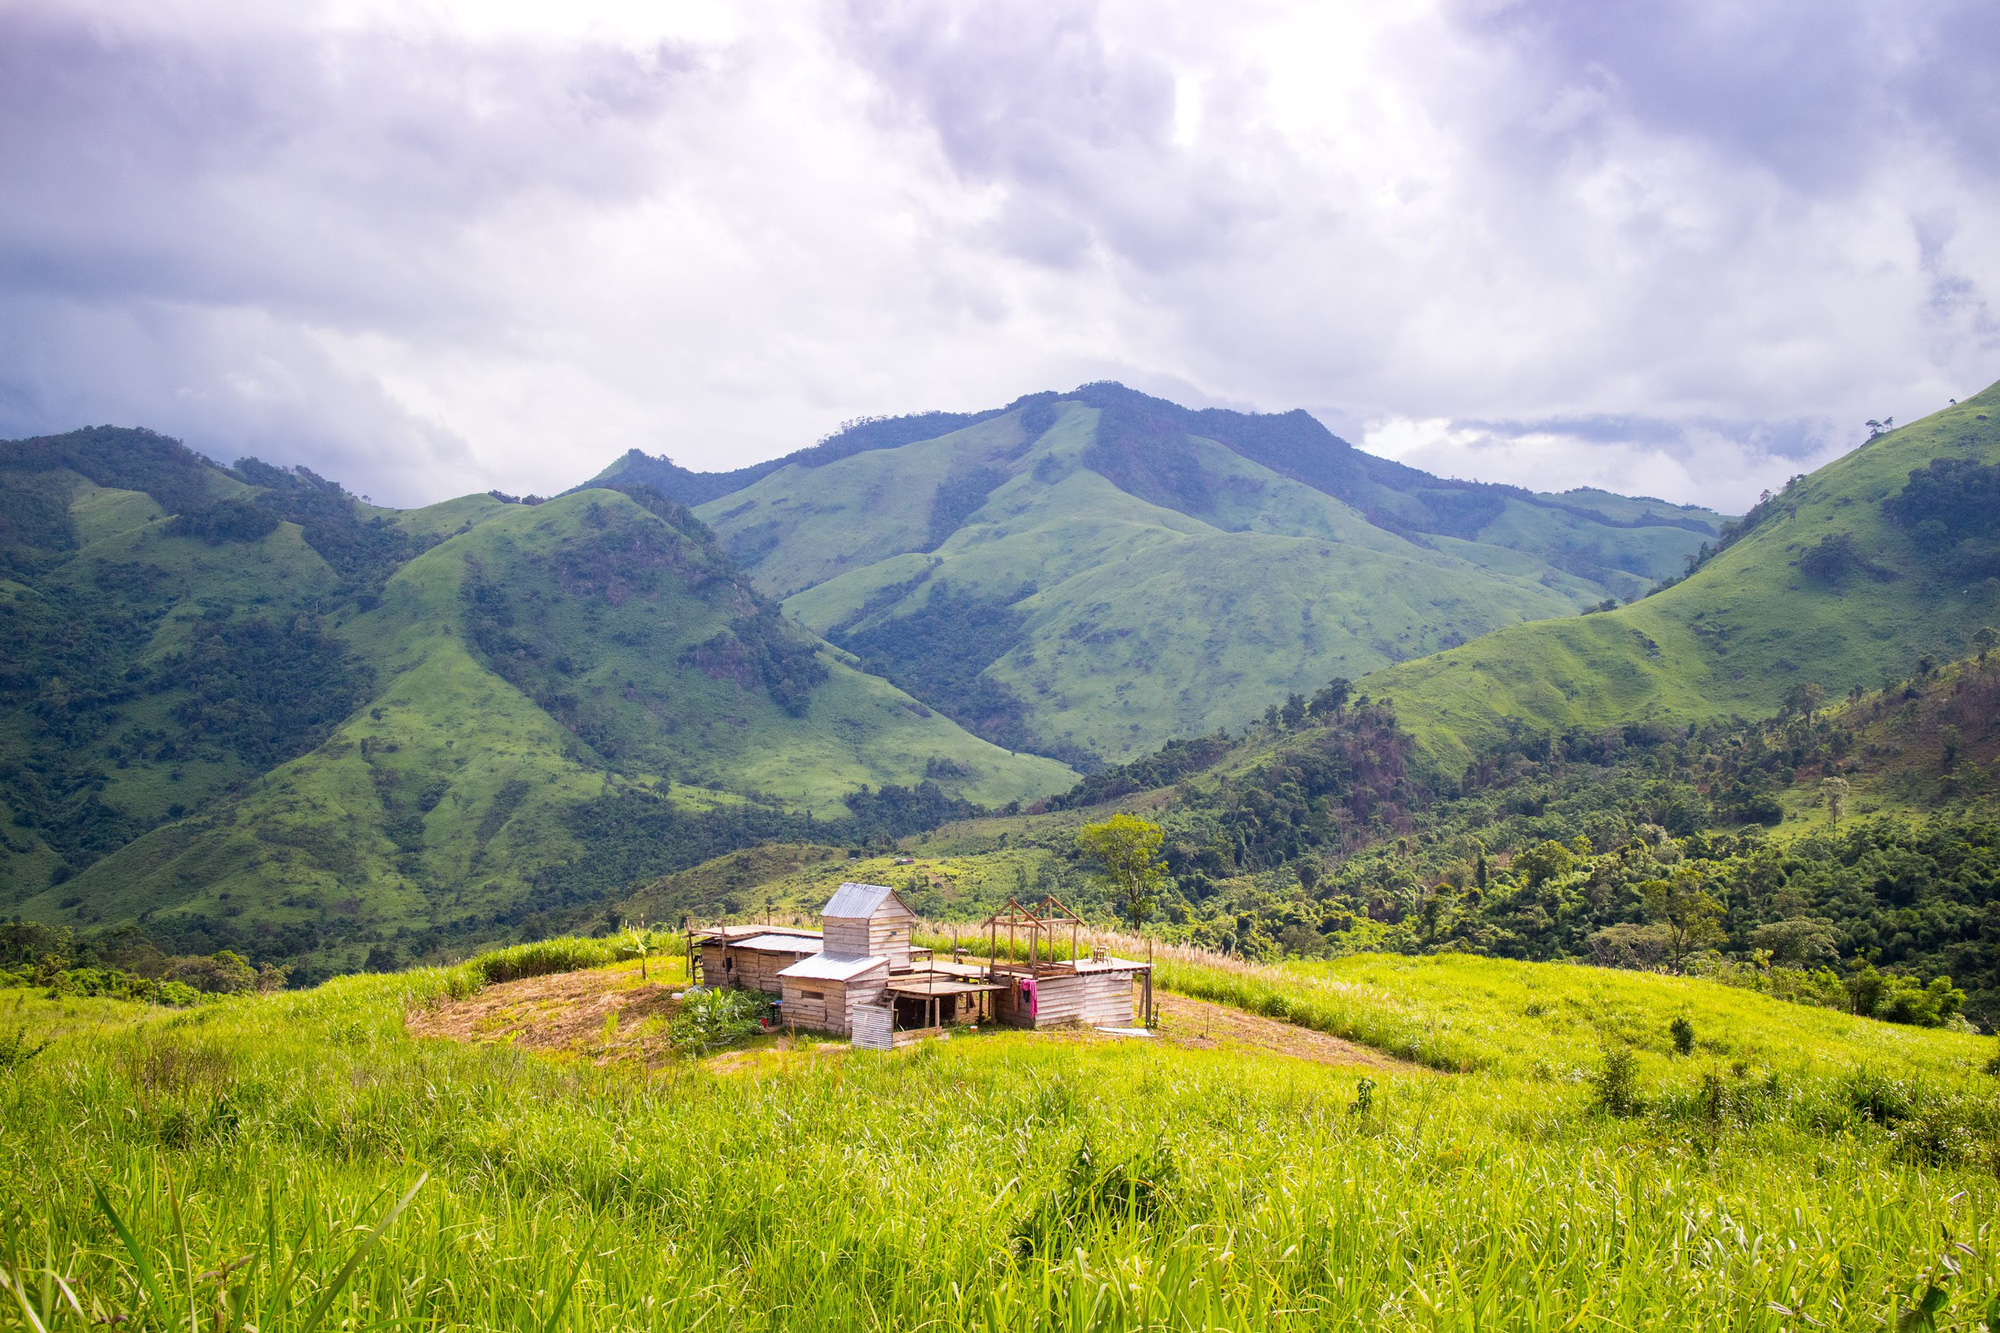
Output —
(1548, 1022)
(272, 1138)
(1733, 638)
(1142, 622)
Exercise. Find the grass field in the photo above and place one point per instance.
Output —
(299, 1162)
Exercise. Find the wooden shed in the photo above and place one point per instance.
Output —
(751, 957)
(1098, 993)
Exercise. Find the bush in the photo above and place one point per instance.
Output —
(1682, 1031)
(221, 973)
(710, 1019)
(1617, 1082)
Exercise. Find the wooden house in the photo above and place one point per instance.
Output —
(868, 921)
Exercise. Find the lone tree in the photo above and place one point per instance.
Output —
(1124, 852)
(1836, 797)
(1806, 699)
(1682, 903)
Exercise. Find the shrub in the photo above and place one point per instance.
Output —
(1682, 1031)
(710, 1019)
(221, 973)
(15, 1049)
(1617, 1081)
(1097, 1194)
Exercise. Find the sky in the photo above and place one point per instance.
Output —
(1675, 249)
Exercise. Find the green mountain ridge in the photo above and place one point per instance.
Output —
(1090, 574)
(348, 726)
(1823, 586)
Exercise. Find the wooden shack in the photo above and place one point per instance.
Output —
(1098, 993)
(866, 932)
(1045, 981)
(751, 957)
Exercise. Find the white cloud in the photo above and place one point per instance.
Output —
(438, 248)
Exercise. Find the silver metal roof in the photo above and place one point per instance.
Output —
(824, 967)
(859, 900)
(1089, 965)
(793, 944)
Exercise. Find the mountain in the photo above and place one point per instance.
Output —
(240, 706)
(1875, 562)
(1089, 574)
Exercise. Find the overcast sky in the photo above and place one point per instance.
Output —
(1682, 250)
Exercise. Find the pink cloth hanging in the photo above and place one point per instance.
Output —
(1028, 989)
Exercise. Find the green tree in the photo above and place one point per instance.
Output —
(1682, 903)
(1805, 699)
(1539, 864)
(1124, 852)
(1984, 640)
(640, 941)
(1836, 797)
(1329, 701)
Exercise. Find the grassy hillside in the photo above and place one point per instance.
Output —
(1751, 624)
(1794, 1167)
(310, 729)
(1092, 574)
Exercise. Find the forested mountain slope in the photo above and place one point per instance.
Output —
(240, 706)
(1090, 574)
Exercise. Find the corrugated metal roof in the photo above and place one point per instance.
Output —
(794, 944)
(1088, 965)
(858, 900)
(824, 967)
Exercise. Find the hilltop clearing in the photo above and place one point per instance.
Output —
(243, 709)
(1090, 574)
(609, 1015)
(1793, 1166)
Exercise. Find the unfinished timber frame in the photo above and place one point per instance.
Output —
(858, 976)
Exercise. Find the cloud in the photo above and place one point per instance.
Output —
(1684, 248)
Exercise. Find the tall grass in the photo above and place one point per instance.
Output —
(539, 958)
(255, 1151)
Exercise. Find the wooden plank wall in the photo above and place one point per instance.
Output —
(752, 971)
(884, 935)
(822, 1014)
(1095, 999)
(863, 992)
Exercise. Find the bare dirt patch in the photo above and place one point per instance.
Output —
(607, 1015)
(1201, 1025)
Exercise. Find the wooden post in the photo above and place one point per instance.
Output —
(1149, 997)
